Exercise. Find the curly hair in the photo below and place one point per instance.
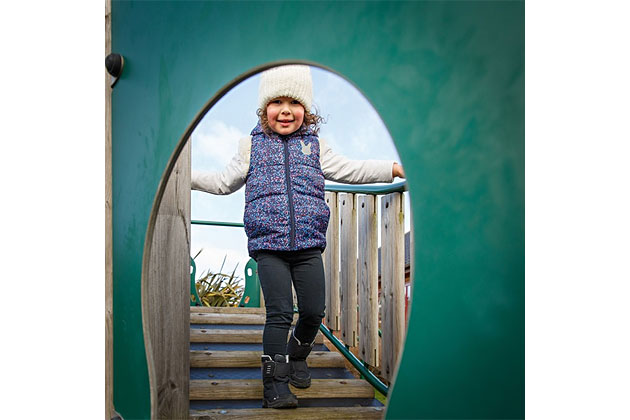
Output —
(312, 121)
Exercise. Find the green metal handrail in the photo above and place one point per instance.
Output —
(211, 223)
(368, 188)
(369, 376)
(356, 189)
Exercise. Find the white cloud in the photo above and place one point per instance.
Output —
(215, 143)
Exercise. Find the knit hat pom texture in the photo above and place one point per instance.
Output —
(292, 81)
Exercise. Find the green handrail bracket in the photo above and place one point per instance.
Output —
(194, 296)
(358, 364)
(251, 294)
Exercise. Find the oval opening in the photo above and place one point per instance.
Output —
(352, 128)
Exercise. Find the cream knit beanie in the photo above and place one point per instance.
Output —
(293, 81)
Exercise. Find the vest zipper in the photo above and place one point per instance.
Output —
(290, 195)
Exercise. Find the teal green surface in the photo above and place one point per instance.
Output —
(251, 294)
(448, 80)
(194, 295)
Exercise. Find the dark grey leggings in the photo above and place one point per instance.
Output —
(276, 271)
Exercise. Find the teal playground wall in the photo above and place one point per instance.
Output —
(448, 80)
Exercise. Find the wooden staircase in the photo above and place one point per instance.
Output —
(225, 379)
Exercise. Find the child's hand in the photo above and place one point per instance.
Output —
(397, 171)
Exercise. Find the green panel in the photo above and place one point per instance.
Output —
(447, 79)
(251, 294)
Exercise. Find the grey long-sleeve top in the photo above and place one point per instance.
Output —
(336, 168)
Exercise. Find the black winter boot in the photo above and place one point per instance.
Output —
(299, 375)
(276, 392)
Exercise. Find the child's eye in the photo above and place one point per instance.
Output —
(295, 102)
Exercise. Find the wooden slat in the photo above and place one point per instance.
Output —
(213, 359)
(368, 279)
(225, 310)
(166, 296)
(348, 248)
(331, 265)
(412, 267)
(392, 281)
(241, 389)
(223, 319)
(302, 413)
(109, 311)
(233, 336)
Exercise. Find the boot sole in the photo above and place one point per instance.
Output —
(292, 403)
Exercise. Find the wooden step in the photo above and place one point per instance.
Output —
(216, 359)
(226, 310)
(248, 389)
(302, 413)
(228, 318)
(233, 336)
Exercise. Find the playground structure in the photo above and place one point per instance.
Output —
(225, 342)
(448, 81)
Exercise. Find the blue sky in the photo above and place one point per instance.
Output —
(353, 128)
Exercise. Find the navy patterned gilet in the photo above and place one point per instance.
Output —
(285, 208)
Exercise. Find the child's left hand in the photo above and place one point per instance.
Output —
(397, 171)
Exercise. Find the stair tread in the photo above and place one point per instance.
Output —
(229, 318)
(251, 358)
(238, 389)
(305, 413)
(232, 336)
(226, 309)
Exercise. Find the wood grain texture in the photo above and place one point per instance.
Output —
(302, 413)
(167, 297)
(368, 279)
(233, 336)
(238, 389)
(348, 249)
(224, 319)
(109, 275)
(331, 265)
(392, 281)
(226, 310)
(412, 268)
(239, 358)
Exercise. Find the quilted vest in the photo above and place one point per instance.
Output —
(285, 208)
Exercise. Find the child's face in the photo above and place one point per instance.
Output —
(285, 115)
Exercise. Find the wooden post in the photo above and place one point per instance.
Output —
(166, 297)
(368, 279)
(348, 269)
(109, 274)
(331, 265)
(412, 257)
(392, 281)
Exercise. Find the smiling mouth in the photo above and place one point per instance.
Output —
(285, 121)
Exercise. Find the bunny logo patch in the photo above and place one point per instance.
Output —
(306, 148)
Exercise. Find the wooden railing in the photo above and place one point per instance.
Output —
(354, 306)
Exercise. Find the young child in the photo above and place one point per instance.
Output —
(283, 165)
